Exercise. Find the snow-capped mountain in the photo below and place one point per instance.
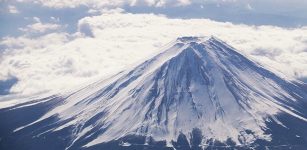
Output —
(197, 93)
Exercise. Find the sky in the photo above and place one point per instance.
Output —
(51, 45)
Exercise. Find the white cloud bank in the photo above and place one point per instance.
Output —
(109, 42)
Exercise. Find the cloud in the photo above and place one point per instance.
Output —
(77, 3)
(107, 43)
(12, 9)
(256, 12)
(249, 7)
(36, 19)
(20, 45)
(184, 2)
(39, 27)
(153, 3)
(55, 19)
(108, 3)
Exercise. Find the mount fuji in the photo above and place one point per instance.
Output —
(198, 93)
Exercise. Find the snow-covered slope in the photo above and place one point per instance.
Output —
(198, 89)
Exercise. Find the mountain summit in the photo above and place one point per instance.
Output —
(197, 93)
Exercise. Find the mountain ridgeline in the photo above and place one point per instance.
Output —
(198, 93)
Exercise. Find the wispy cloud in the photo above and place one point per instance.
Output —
(249, 7)
(39, 27)
(111, 3)
(12, 9)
